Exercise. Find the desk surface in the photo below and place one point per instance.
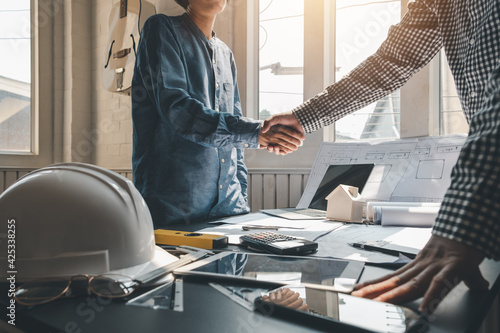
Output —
(207, 310)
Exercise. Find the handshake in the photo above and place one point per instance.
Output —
(281, 134)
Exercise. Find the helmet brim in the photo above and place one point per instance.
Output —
(160, 258)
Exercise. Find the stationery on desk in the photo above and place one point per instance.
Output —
(414, 172)
(245, 224)
(387, 248)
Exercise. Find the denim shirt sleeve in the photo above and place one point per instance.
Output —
(161, 69)
(242, 171)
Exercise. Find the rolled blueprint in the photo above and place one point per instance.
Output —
(405, 216)
(371, 204)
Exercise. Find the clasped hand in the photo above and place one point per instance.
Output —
(281, 134)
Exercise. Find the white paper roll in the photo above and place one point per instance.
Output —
(408, 216)
(371, 204)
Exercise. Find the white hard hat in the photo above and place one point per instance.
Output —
(74, 218)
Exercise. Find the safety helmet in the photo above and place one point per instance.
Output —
(74, 218)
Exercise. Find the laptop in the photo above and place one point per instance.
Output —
(346, 174)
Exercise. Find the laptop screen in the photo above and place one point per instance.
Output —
(349, 174)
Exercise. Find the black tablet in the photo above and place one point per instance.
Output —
(337, 312)
(332, 274)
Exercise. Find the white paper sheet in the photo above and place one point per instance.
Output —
(428, 175)
(391, 159)
(411, 170)
(308, 229)
(335, 244)
(263, 219)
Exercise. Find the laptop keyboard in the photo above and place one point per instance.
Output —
(311, 212)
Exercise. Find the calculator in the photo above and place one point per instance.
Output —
(273, 242)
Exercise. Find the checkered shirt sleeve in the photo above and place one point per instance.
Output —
(410, 45)
(470, 212)
(470, 34)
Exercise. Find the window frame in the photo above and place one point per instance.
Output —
(41, 101)
(247, 57)
(421, 92)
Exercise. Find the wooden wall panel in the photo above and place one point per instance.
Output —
(10, 177)
(282, 191)
(269, 191)
(256, 202)
(2, 182)
(267, 188)
(295, 189)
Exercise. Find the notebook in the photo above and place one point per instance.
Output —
(346, 174)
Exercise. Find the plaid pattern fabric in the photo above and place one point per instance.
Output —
(469, 31)
(470, 211)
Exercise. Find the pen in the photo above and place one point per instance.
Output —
(252, 227)
(382, 250)
(266, 227)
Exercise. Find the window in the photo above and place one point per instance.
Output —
(27, 108)
(281, 56)
(296, 48)
(451, 117)
(15, 76)
(361, 26)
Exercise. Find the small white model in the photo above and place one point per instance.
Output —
(345, 204)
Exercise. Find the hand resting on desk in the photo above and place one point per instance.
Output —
(439, 267)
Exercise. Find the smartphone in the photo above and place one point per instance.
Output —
(339, 312)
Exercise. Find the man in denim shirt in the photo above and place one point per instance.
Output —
(189, 133)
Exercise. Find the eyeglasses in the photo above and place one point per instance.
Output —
(105, 285)
(47, 290)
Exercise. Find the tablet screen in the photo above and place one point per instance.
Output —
(279, 269)
(341, 308)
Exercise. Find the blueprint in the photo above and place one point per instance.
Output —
(428, 176)
(411, 170)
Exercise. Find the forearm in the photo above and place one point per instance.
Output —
(197, 123)
(410, 45)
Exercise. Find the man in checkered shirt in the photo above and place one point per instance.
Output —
(467, 227)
